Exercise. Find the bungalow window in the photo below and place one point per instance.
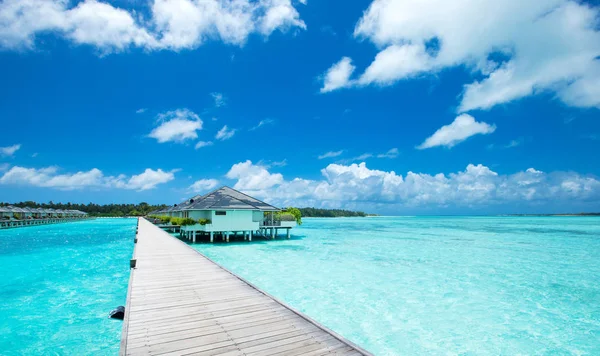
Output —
(220, 213)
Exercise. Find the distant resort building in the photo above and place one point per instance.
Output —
(227, 212)
(13, 216)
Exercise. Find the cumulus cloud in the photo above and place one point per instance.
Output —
(497, 41)
(171, 24)
(177, 126)
(201, 144)
(149, 179)
(330, 154)
(140, 111)
(49, 177)
(225, 133)
(463, 127)
(203, 185)
(252, 177)
(338, 76)
(357, 186)
(9, 151)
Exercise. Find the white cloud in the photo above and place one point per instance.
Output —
(338, 76)
(219, 99)
(497, 41)
(50, 178)
(225, 133)
(463, 127)
(251, 177)
(362, 157)
(477, 187)
(4, 167)
(172, 24)
(201, 144)
(9, 150)
(262, 123)
(279, 14)
(148, 180)
(140, 111)
(177, 126)
(330, 154)
(203, 185)
(395, 63)
(392, 153)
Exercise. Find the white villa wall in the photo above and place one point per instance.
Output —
(258, 216)
(200, 214)
(235, 220)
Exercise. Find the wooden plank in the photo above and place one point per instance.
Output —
(180, 302)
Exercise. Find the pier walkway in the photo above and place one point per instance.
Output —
(181, 303)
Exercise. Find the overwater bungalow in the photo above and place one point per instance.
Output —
(227, 211)
(11, 216)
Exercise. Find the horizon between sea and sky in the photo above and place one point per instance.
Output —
(390, 107)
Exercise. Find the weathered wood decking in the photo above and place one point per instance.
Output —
(181, 303)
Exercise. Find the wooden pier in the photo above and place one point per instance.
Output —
(181, 303)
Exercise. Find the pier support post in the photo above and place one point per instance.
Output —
(272, 233)
(194, 234)
(211, 237)
(288, 234)
(250, 236)
(227, 236)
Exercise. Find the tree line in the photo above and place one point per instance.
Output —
(330, 213)
(142, 209)
(114, 210)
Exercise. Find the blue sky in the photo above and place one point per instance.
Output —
(383, 106)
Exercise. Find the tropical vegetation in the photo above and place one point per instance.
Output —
(330, 213)
(110, 210)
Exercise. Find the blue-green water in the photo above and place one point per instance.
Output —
(396, 286)
(59, 282)
(438, 285)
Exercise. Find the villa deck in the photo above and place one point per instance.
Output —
(180, 302)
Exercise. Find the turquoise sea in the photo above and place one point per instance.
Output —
(59, 282)
(438, 285)
(396, 286)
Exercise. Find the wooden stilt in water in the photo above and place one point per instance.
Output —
(250, 236)
(288, 233)
(211, 237)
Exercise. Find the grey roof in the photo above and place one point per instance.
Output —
(226, 198)
(186, 204)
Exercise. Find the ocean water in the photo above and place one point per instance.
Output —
(59, 282)
(438, 285)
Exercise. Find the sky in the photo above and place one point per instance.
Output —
(395, 107)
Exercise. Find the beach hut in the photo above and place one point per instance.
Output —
(225, 211)
(18, 213)
(5, 213)
(27, 213)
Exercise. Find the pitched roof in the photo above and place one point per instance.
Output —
(226, 198)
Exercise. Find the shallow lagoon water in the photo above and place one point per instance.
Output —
(396, 286)
(438, 285)
(59, 282)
